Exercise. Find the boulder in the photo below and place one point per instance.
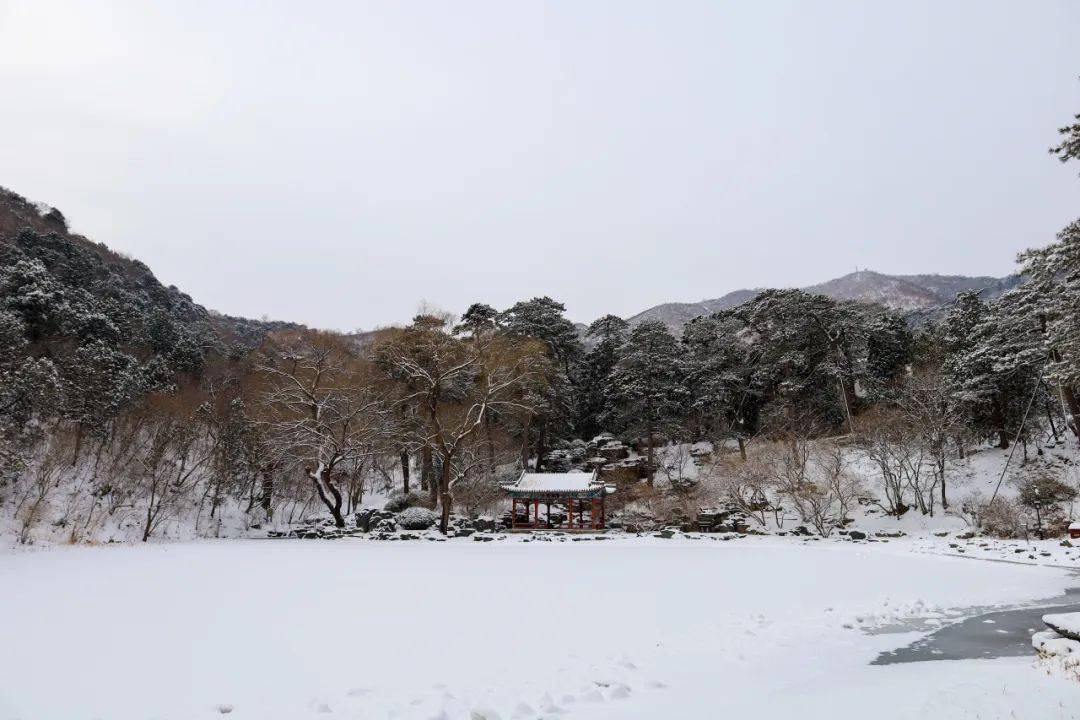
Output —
(855, 534)
(613, 452)
(1064, 624)
(485, 524)
(364, 519)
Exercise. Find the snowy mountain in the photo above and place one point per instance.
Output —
(918, 295)
(91, 270)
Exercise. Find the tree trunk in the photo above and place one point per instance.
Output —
(742, 447)
(541, 440)
(405, 471)
(650, 454)
(446, 499)
(78, 444)
(323, 486)
(426, 469)
(525, 443)
(1074, 409)
(1050, 418)
(267, 498)
(999, 423)
(490, 444)
(941, 470)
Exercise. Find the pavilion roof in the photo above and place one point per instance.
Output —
(571, 484)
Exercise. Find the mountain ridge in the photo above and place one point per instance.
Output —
(917, 296)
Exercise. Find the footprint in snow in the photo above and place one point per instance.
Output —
(224, 709)
(592, 695)
(547, 704)
(484, 714)
(619, 692)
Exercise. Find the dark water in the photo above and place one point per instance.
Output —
(1002, 633)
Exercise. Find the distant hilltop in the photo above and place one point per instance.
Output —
(917, 296)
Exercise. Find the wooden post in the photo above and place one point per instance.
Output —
(513, 512)
(570, 514)
(603, 511)
(536, 513)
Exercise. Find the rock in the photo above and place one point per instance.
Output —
(856, 534)
(941, 533)
(483, 538)
(889, 534)
(364, 518)
(967, 535)
(485, 524)
(613, 452)
(1064, 624)
(665, 534)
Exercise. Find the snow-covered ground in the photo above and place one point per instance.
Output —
(627, 628)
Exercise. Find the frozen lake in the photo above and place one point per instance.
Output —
(629, 628)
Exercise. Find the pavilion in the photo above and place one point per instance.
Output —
(582, 493)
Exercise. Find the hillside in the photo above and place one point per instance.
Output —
(917, 295)
(92, 268)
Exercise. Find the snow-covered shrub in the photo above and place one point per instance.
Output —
(399, 501)
(416, 518)
(481, 493)
(748, 485)
(1043, 494)
(1001, 518)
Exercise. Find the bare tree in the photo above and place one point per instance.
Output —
(322, 404)
(816, 480)
(456, 384)
(931, 410)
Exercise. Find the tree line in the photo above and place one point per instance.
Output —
(142, 401)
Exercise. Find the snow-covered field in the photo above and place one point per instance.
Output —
(628, 628)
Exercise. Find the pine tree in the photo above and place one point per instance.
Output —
(542, 319)
(1052, 294)
(609, 333)
(995, 357)
(721, 378)
(646, 389)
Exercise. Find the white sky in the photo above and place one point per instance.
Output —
(335, 163)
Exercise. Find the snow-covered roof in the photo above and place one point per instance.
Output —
(556, 483)
(1075, 525)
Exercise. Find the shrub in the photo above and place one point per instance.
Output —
(399, 501)
(416, 518)
(1001, 518)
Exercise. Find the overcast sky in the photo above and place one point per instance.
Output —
(335, 163)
